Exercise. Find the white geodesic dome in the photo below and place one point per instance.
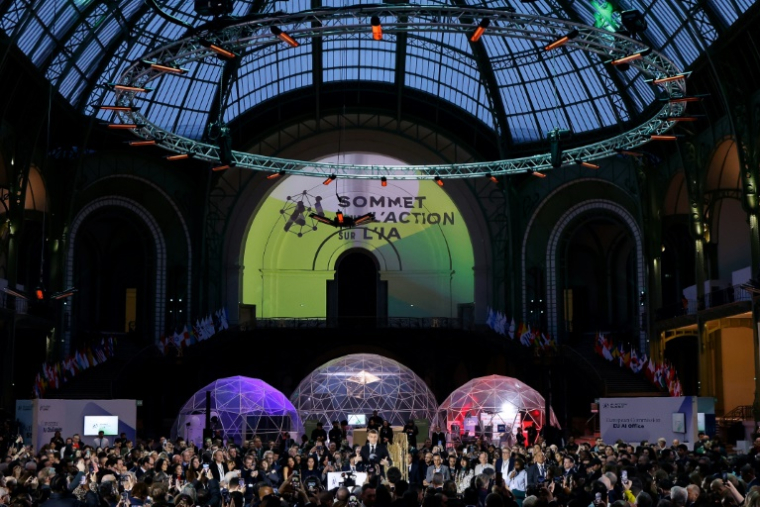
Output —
(360, 383)
(240, 407)
(485, 404)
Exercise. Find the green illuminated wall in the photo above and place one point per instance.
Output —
(421, 244)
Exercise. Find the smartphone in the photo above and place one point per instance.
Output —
(598, 498)
(125, 495)
(241, 483)
(624, 476)
(83, 480)
(205, 466)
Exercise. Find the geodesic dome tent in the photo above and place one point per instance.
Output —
(356, 384)
(494, 405)
(240, 407)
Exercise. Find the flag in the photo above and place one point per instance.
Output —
(526, 337)
(490, 321)
(208, 327)
(501, 326)
(650, 371)
(606, 352)
(512, 328)
(224, 319)
(598, 344)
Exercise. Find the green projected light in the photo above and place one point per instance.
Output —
(606, 15)
(419, 240)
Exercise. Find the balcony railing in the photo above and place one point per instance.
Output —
(712, 299)
(359, 322)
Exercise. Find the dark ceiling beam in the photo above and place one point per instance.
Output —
(228, 79)
(61, 43)
(488, 78)
(108, 55)
(317, 65)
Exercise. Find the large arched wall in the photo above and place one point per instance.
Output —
(252, 197)
(552, 216)
(420, 243)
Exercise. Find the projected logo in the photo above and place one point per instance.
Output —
(296, 210)
(391, 212)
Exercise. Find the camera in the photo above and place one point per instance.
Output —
(295, 480)
(348, 479)
(353, 501)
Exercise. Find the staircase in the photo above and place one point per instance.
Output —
(614, 381)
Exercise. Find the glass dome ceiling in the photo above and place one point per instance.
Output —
(82, 44)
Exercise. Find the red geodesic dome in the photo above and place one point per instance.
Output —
(494, 405)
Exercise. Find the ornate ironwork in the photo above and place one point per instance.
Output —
(256, 34)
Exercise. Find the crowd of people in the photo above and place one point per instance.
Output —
(279, 472)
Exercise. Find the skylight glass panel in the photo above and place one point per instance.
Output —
(358, 59)
(516, 100)
(727, 10)
(523, 129)
(32, 34)
(13, 19)
(550, 120)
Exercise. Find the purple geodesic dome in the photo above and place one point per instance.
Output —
(492, 402)
(240, 407)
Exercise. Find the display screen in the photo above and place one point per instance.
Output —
(419, 243)
(108, 424)
(357, 419)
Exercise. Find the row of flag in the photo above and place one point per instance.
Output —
(662, 375)
(528, 337)
(203, 329)
(55, 374)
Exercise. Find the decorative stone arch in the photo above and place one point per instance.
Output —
(159, 243)
(248, 193)
(551, 253)
(185, 229)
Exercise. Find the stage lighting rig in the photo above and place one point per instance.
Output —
(342, 221)
(555, 138)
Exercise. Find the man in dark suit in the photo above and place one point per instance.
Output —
(413, 470)
(375, 453)
(218, 466)
(537, 471)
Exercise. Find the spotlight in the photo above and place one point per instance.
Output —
(124, 126)
(669, 79)
(128, 88)
(480, 30)
(680, 119)
(39, 293)
(146, 142)
(633, 21)
(629, 153)
(274, 176)
(225, 54)
(561, 42)
(439, 181)
(178, 156)
(588, 165)
(377, 28)
(536, 173)
(122, 109)
(492, 178)
(684, 98)
(656, 137)
(220, 168)
(384, 181)
(329, 179)
(284, 37)
(339, 217)
(164, 68)
(631, 58)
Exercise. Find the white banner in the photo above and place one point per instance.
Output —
(67, 416)
(335, 478)
(25, 419)
(637, 419)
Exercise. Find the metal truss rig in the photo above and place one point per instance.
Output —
(245, 37)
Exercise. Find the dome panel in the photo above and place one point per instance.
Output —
(493, 401)
(243, 407)
(361, 383)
